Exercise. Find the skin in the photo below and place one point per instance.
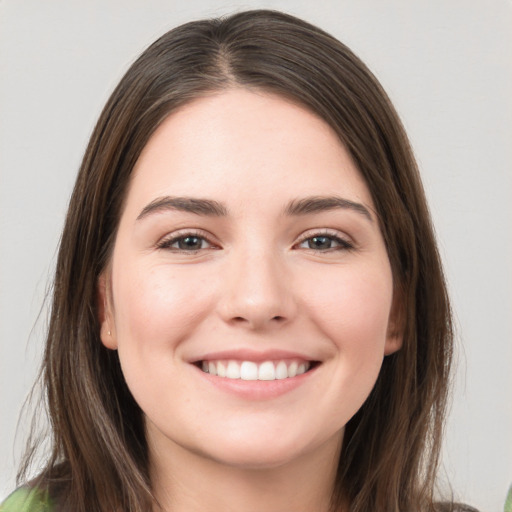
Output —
(256, 281)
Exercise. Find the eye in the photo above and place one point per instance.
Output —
(324, 243)
(189, 243)
(186, 242)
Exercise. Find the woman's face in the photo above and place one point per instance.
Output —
(250, 292)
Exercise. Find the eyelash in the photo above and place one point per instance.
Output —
(343, 244)
(167, 243)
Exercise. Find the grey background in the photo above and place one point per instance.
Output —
(447, 66)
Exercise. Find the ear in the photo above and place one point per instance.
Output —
(396, 325)
(105, 312)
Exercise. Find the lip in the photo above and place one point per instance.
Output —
(243, 354)
(254, 390)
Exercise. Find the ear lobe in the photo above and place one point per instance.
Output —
(393, 343)
(105, 313)
(396, 325)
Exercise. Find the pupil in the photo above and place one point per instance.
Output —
(190, 242)
(320, 242)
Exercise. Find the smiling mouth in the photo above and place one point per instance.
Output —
(250, 370)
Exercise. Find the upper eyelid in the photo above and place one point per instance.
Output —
(324, 232)
(183, 233)
(345, 242)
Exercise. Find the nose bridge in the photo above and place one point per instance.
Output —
(256, 292)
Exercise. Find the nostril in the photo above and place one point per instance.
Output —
(241, 319)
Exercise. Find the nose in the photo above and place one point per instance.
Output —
(257, 292)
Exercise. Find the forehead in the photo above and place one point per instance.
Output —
(253, 143)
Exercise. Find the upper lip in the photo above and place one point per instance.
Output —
(244, 354)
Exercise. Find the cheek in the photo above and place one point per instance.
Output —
(353, 308)
(157, 306)
(155, 310)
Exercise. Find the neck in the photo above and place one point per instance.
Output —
(188, 482)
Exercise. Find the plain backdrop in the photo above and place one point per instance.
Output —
(446, 64)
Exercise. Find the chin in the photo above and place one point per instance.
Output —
(256, 459)
(257, 452)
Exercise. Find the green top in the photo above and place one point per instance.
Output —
(33, 500)
(27, 500)
(508, 502)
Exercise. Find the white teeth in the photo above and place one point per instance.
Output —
(281, 370)
(249, 370)
(267, 371)
(233, 370)
(221, 369)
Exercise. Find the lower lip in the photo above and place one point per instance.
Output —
(257, 389)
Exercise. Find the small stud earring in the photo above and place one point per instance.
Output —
(109, 333)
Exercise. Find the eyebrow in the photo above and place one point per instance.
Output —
(317, 204)
(206, 207)
(211, 208)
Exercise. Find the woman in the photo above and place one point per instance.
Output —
(249, 310)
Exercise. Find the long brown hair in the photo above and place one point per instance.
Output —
(391, 446)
